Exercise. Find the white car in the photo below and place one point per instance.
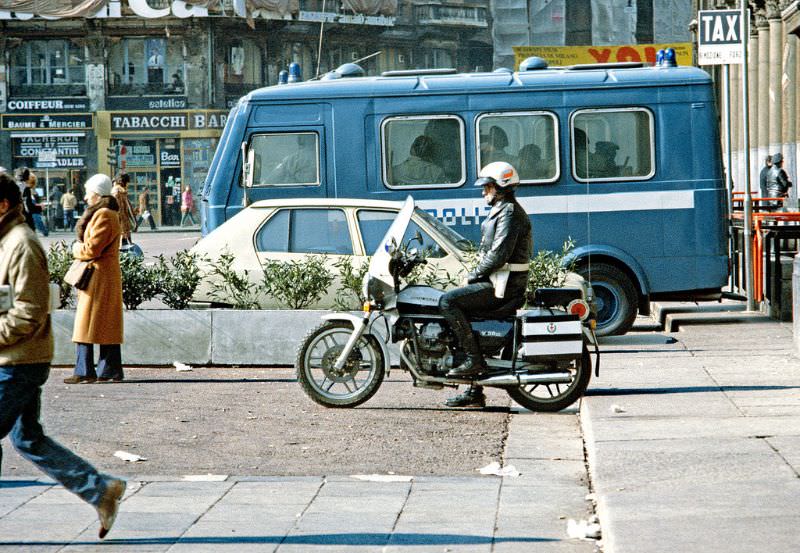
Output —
(288, 230)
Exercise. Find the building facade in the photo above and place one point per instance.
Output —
(146, 85)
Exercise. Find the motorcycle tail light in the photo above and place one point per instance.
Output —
(579, 308)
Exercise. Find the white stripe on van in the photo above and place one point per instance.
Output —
(469, 208)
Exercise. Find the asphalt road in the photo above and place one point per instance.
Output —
(258, 422)
(152, 243)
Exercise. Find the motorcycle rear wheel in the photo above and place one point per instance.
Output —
(555, 397)
(352, 385)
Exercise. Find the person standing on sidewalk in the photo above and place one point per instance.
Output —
(26, 350)
(69, 202)
(127, 220)
(32, 205)
(187, 205)
(144, 210)
(98, 317)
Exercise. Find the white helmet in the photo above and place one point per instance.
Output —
(499, 173)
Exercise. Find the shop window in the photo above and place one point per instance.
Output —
(145, 66)
(242, 71)
(423, 151)
(613, 144)
(525, 140)
(48, 67)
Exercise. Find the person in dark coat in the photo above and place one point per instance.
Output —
(501, 277)
(778, 183)
(762, 177)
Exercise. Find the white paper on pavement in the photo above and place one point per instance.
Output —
(495, 469)
(583, 529)
(181, 367)
(129, 457)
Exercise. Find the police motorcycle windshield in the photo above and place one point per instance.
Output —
(379, 264)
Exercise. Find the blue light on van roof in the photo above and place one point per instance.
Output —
(660, 58)
(532, 63)
(295, 73)
(283, 77)
(670, 58)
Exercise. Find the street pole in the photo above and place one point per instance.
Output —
(749, 278)
(726, 76)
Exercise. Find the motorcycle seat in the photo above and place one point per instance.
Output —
(506, 311)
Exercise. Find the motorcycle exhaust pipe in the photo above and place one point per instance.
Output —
(523, 379)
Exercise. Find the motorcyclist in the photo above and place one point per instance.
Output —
(503, 255)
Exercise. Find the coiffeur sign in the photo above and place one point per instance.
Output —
(575, 55)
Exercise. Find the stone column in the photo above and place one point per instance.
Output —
(752, 107)
(761, 146)
(775, 77)
(736, 123)
(789, 85)
(95, 52)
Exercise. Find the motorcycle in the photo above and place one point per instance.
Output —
(539, 355)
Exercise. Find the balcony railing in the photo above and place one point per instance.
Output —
(438, 14)
(151, 89)
(43, 90)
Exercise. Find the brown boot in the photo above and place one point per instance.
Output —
(109, 504)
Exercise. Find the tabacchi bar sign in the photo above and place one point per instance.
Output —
(168, 121)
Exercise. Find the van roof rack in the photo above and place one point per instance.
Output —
(418, 72)
(613, 65)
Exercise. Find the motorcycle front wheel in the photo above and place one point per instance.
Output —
(349, 386)
(556, 396)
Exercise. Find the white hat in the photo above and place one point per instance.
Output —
(99, 184)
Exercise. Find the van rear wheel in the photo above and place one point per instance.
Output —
(615, 296)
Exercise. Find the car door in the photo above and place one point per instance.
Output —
(291, 234)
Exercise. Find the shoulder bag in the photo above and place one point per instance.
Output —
(79, 274)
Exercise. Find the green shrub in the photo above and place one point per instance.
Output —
(178, 278)
(231, 287)
(59, 259)
(297, 284)
(139, 282)
(351, 279)
(549, 270)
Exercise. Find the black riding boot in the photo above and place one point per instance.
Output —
(472, 397)
(474, 363)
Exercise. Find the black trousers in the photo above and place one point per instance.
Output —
(457, 304)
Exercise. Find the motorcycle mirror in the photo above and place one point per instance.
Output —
(417, 236)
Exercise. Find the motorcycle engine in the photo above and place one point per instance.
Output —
(434, 353)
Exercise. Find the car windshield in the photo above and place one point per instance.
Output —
(459, 241)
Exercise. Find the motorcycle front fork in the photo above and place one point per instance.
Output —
(358, 332)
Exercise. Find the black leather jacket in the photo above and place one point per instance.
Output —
(506, 237)
(778, 182)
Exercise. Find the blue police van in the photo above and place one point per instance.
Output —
(624, 159)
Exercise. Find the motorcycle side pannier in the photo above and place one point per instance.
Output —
(549, 335)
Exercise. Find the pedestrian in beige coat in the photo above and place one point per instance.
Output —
(98, 318)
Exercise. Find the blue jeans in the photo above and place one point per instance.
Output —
(69, 219)
(40, 224)
(20, 406)
(108, 366)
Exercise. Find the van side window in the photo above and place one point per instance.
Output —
(528, 141)
(613, 144)
(285, 159)
(423, 151)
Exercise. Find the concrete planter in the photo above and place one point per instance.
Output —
(200, 337)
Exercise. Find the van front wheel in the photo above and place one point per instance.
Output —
(615, 296)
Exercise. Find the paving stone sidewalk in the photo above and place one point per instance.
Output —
(330, 514)
(694, 440)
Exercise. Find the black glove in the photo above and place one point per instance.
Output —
(472, 278)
